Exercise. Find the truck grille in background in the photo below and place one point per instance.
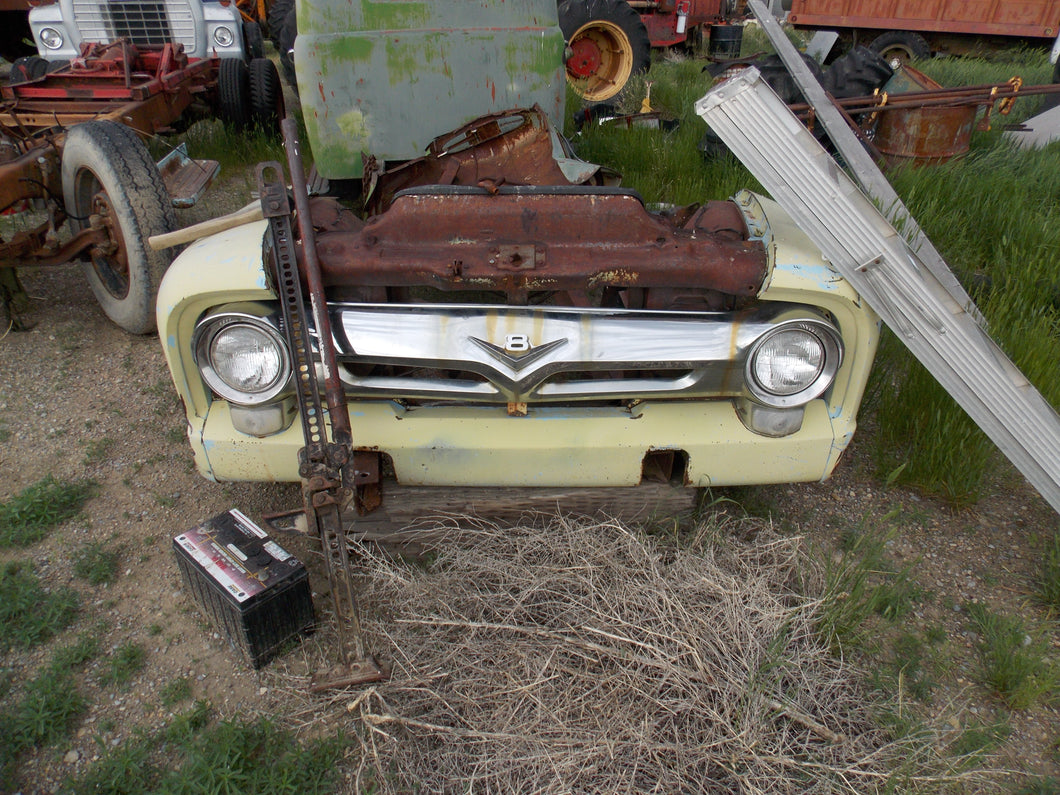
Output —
(141, 22)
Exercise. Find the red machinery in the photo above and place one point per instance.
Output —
(68, 141)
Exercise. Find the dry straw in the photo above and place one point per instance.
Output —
(582, 656)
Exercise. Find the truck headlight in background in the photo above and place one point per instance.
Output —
(51, 38)
(223, 37)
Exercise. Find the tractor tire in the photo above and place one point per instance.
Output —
(898, 47)
(288, 33)
(777, 76)
(253, 41)
(276, 18)
(266, 96)
(608, 44)
(108, 172)
(233, 93)
(27, 68)
(858, 73)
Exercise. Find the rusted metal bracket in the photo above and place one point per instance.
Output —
(325, 466)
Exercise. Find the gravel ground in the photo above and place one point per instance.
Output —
(79, 398)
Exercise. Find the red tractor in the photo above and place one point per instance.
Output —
(610, 40)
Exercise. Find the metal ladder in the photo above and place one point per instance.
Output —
(934, 320)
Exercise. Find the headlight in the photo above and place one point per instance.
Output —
(223, 37)
(51, 38)
(242, 358)
(793, 363)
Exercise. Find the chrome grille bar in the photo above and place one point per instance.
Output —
(145, 22)
(548, 354)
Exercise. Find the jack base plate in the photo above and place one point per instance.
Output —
(358, 672)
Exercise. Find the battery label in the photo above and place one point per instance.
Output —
(224, 547)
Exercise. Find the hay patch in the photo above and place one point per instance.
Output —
(583, 656)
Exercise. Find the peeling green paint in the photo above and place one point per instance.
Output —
(403, 15)
(529, 57)
(355, 128)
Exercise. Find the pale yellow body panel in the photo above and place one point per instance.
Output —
(551, 446)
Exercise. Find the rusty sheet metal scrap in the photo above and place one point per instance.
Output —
(514, 147)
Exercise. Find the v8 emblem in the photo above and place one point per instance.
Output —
(517, 343)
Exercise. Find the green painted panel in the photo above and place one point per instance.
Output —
(401, 15)
(390, 90)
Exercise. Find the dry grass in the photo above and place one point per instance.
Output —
(580, 656)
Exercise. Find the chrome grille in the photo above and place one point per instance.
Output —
(139, 21)
(549, 354)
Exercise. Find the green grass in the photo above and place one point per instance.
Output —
(27, 517)
(127, 661)
(861, 582)
(909, 664)
(46, 713)
(29, 614)
(197, 755)
(232, 149)
(175, 692)
(97, 450)
(1045, 785)
(977, 739)
(97, 563)
(1014, 658)
(1048, 580)
(85, 648)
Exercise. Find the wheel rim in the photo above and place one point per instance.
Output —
(601, 60)
(109, 260)
(897, 55)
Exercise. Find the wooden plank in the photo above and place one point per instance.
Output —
(410, 508)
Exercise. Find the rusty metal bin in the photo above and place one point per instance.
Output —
(922, 135)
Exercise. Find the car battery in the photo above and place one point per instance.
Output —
(253, 590)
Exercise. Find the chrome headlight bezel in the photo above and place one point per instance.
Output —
(223, 36)
(830, 346)
(51, 38)
(206, 335)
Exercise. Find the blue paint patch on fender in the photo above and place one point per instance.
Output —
(824, 276)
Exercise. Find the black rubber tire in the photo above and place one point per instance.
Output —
(106, 170)
(288, 33)
(266, 95)
(27, 68)
(276, 17)
(780, 80)
(253, 41)
(857, 73)
(616, 21)
(233, 93)
(901, 46)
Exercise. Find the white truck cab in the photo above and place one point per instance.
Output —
(206, 29)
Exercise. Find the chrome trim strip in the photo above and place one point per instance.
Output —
(543, 354)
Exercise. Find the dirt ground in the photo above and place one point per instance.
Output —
(79, 398)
